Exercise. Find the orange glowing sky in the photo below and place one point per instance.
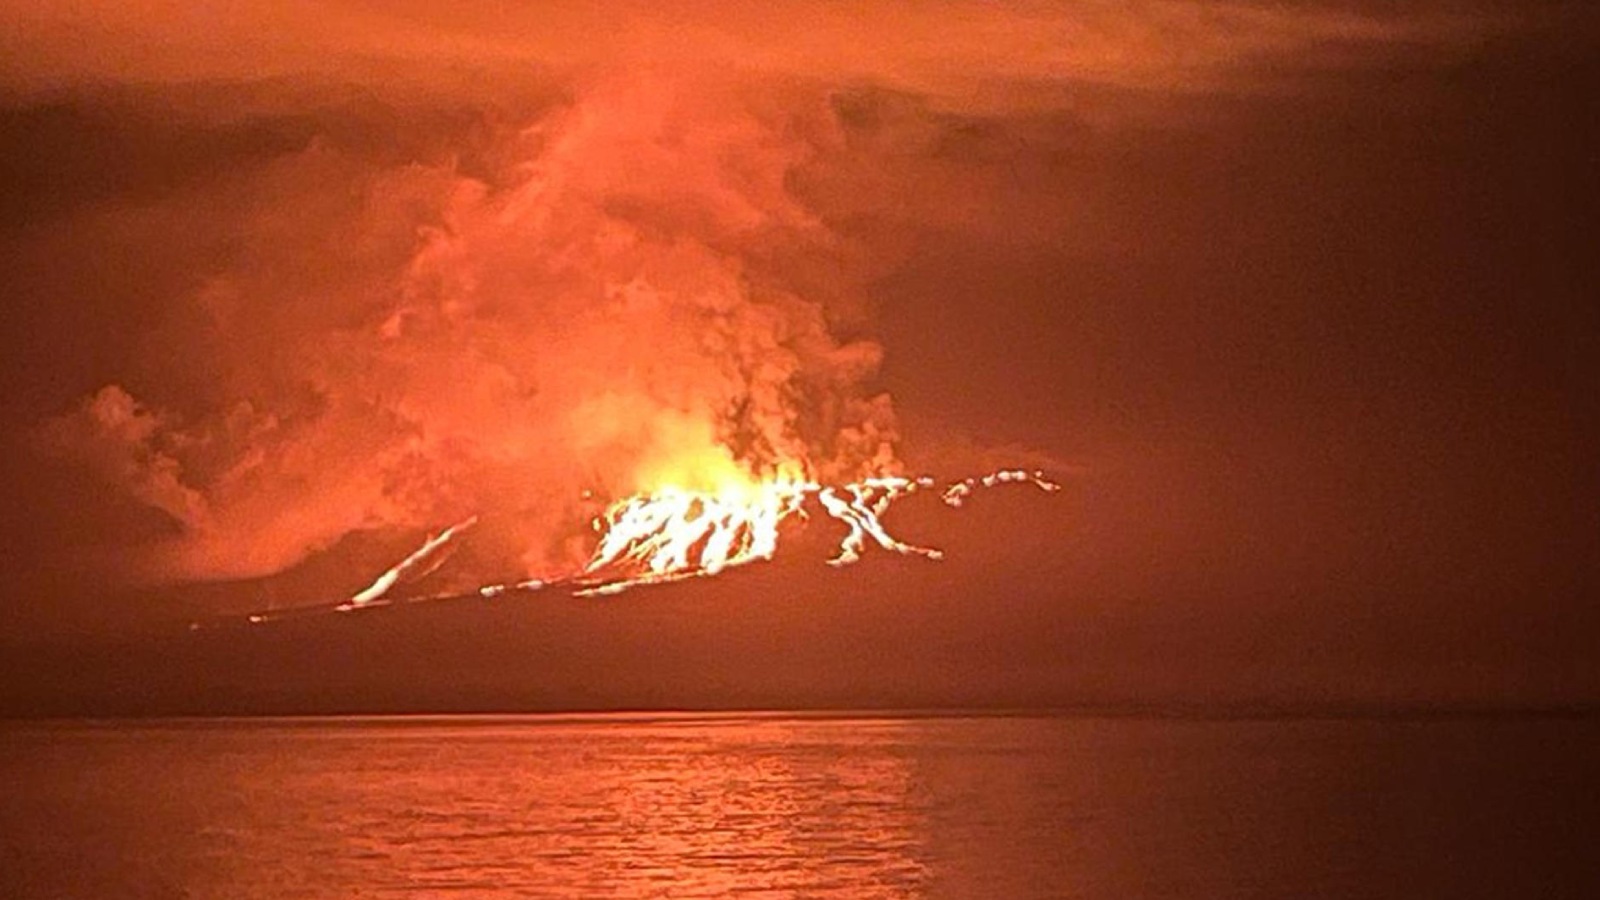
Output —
(990, 54)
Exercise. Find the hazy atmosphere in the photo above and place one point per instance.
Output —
(1296, 303)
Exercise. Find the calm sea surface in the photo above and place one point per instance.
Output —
(1002, 807)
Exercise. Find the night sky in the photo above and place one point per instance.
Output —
(1297, 301)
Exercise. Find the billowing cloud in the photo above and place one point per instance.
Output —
(614, 308)
(516, 262)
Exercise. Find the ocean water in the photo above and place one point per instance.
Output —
(801, 806)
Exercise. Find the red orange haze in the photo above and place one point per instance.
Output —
(1286, 308)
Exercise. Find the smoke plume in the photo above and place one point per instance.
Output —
(626, 295)
(514, 263)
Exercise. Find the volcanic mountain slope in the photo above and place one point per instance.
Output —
(792, 632)
(653, 539)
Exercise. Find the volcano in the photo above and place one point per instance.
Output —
(789, 632)
(657, 539)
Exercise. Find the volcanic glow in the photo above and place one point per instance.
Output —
(672, 534)
(628, 308)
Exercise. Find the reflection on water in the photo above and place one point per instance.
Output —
(728, 807)
(778, 807)
(694, 807)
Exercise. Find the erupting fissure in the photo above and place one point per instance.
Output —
(672, 534)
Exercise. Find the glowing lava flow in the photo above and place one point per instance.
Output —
(672, 534)
(409, 565)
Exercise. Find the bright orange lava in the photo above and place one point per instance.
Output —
(674, 533)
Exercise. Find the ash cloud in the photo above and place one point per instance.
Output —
(385, 268)
(610, 306)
